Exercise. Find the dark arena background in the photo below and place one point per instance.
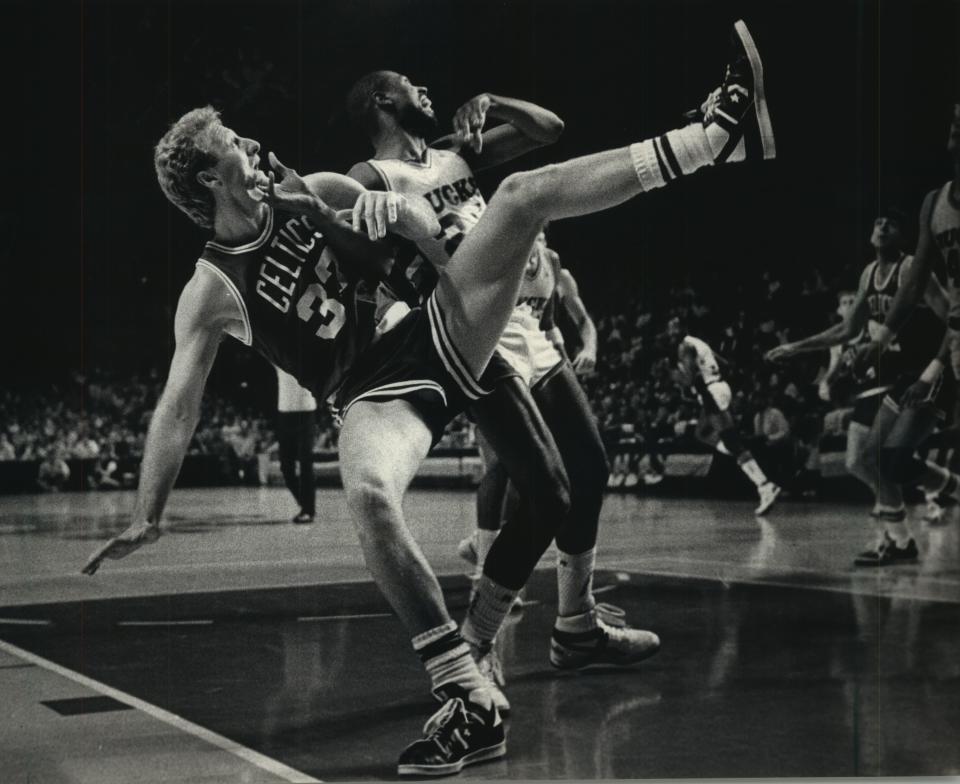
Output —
(242, 647)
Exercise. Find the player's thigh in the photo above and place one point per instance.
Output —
(513, 426)
(911, 428)
(382, 444)
(567, 412)
(479, 287)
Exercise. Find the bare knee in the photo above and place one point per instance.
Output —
(373, 503)
(530, 191)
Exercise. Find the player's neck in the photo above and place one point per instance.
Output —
(396, 143)
(237, 223)
(888, 256)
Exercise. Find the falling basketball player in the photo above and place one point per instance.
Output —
(280, 284)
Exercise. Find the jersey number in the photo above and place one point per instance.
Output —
(315, 300)
(452, 232)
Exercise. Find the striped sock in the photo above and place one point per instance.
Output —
(447, 658)
(678, 152)
(491, 604)
(575, 582)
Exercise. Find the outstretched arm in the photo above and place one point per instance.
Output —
(525, 127)
(201, 317)
(836, 335)
(569, 293)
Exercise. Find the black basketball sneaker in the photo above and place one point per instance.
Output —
(461, 733)
(735, 116)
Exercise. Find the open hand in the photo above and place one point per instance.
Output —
(376, 210)
(290, 193)
(780, 353)
(916, 394)
(137, 535)
(584, 363)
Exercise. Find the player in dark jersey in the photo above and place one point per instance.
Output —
(938, 243)
(397, 391)
(877, 410)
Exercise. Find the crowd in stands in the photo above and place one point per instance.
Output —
(643, 412)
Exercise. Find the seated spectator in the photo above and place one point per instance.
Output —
(54, 472)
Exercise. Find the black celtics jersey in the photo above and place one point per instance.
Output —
(300, 305)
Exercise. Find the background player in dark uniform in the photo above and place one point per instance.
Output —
(876, 404)
(296, 423)
(938, 242)
(396, 393)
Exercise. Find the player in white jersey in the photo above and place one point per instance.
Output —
(536, 419)
(382, 441)
(699, 369)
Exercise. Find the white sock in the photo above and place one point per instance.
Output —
(484, 541)
(491, 604)
(722, 449)
(752, 470)
(447, 659)
(676, 153)
(575, 582)
(898, 532)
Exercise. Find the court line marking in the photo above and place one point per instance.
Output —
(357, 617)
(25, 622)
(740, 579)
(231, 747)
(199, 622)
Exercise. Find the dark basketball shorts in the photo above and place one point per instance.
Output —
(940, 397)
(415, 361)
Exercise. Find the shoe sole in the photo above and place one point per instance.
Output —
(589, 664)
(764, 508)
(759, 97)
(480, 755)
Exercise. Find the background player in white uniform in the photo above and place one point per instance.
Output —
(548, 442)
(296, 422)
(699, 368)
(877, 406)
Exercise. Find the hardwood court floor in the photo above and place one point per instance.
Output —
(243, 648)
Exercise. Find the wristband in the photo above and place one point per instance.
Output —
(933, 371)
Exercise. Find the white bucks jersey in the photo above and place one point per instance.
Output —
(945, 228)
(706, 361)
(445, 180)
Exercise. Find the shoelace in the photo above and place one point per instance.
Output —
(440, 719)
